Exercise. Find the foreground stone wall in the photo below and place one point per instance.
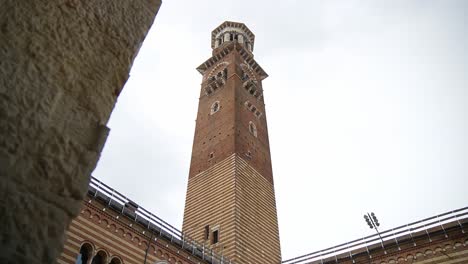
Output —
(62, 67)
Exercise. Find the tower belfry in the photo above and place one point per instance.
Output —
(230, 203)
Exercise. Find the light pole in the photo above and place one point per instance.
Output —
(372, 221)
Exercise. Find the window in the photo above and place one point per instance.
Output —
(215, 237)
(100, 258)
(207, 232)
(253, 129)
(85, 253)
(214, 107)
(115, 260)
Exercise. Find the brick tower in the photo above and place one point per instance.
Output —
(230, 203)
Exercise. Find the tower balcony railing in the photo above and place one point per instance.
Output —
(156, 228)
(438, 224)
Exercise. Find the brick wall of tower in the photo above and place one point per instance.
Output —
(215, 133)
(257, 233)
(237, 200)
(259, 146)
(211, 202)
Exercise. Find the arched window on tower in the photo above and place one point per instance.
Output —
(214, 107)
(85, 253)
(253, 129)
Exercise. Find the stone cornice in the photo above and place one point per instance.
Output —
(246, 55)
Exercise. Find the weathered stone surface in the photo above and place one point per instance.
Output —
(63, 64)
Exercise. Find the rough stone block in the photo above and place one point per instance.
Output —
(62, 65)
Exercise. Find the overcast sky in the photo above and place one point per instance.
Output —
(367, 106)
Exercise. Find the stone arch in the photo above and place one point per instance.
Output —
(85, 253)
(128, 236)
(410, 257)
(401, 259)
(116, 260)
(112, 227)
(144, 244)
(457, 244)
(96, 218)
(120, 231)
(428, 252)
(159, 253)
(391, 261)
(136, 241)
(86, 213)
(216, 68)
(249, 71)
(104, 222)
(100, 257)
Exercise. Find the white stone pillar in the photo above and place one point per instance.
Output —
(240, 38)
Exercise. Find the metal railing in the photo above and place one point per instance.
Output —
(392, 236)
(156, 227)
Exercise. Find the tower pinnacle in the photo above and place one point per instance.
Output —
(232, 31)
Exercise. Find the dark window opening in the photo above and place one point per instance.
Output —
(207, 232)
(115, 261)
(85, 253)
(231, 37)
(215, 237)
(99, 258)
(211, 155)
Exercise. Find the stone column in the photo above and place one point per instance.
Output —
(63, 64)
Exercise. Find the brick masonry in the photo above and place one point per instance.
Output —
(118, 237)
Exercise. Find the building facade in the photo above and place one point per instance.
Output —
(435, 240)
(230, 204)
(113, 229)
